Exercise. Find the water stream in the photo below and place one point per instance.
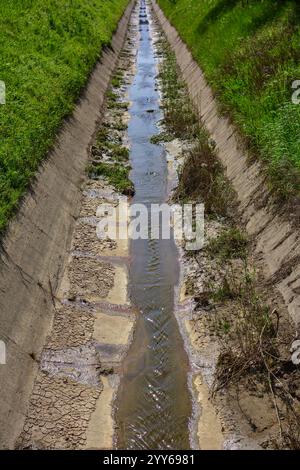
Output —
(153, 404)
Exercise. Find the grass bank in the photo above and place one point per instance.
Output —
(236, 314)
(250, 54)
(48, 48)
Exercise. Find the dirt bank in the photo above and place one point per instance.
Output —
(228, 288)
(277, 240)
(34, 257)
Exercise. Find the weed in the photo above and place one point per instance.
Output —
(201, 177)
(246, 326)
(231, 243)
(116, 174)
(120, 153)
(115, 151)
(114, 104)
(251, 346)
(102, 137)
(117, 79)
(161, 137)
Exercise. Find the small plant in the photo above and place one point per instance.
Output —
(179, 116)
(161, 137)
(201, 177)
(251, 330)
(115, 151)
(116, 174)
(102, 137)
(111, 95)
(249, 52)
(231, 243)
(113, 103)
(117, 79)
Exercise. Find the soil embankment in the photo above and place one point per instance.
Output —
(277, 241)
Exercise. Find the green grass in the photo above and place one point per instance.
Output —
(48, 48)
(231, 243)
(115, 173)
(161, 137)
(249, 51)
(117, 79)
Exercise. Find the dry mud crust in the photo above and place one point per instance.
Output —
(73, 326)
(60, 430)
(34, 249)
(90, 279)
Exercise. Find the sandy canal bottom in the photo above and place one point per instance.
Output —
(153, 404)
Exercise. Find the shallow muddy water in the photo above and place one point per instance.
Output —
(153, 405)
